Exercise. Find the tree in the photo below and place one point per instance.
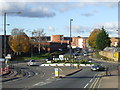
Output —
(103, 39)
(92, 38)
(19, 41)
(40, 38)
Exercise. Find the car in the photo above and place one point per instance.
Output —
(97, 68)
(89, 60)
(75, 54)
(32, 63)
(85, 54)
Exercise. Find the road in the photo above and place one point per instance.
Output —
(34, 74)
(78, 80)
(41, 77)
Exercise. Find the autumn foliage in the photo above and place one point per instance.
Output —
(92, 38)
(19, 43)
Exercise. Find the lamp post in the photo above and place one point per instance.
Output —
(70, 37)
(5, 20)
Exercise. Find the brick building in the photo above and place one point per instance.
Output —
(79, 42)
(114, 41)
(59, 39)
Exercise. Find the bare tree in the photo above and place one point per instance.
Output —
(39, 36)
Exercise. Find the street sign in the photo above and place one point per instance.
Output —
(56, 72)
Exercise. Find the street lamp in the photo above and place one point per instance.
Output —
(70, 36)
(5, 20)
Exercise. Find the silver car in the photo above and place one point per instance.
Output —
(32, 63)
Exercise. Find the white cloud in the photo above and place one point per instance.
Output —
(50, 28)
(79, 29)
(110, 27)
(59, 0)
(27, 9)
(46, 9)
(87, 14)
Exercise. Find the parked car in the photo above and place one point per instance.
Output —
(75, 54)
(32, 63)
(97, 68)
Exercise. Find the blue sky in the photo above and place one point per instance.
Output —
(54, 17)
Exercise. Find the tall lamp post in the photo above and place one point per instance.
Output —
(70, 37)
(5, 20)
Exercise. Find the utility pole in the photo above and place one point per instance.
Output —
(5, 34)
(70, 37)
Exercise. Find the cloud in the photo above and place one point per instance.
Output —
(110, 27)
(59, 0)
(50, 28)
(27, 9)
(87, 14)
(47, 9)
(79, 29)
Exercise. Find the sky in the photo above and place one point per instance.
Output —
(54, 16)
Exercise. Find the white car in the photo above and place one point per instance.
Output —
(31, 63)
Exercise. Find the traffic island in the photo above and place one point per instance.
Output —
(62, 72)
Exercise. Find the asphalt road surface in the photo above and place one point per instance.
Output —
(41, 77)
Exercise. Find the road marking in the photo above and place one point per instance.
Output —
(86, 85)
(38, 83)
(91, 80)
(100, 83)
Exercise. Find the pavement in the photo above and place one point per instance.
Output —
(110, 81)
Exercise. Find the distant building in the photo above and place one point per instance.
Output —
(114, 41)
(59, 39)
(8, 50)
(79, 42)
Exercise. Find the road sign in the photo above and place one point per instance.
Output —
(56, 72)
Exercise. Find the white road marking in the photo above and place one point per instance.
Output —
(86, 85)
(41, 83)
(38, 83)
(91, 80)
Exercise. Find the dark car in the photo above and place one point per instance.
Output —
(97, 68)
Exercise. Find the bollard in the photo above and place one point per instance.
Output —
(56, 72)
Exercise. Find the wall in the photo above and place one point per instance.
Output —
(111, 55)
